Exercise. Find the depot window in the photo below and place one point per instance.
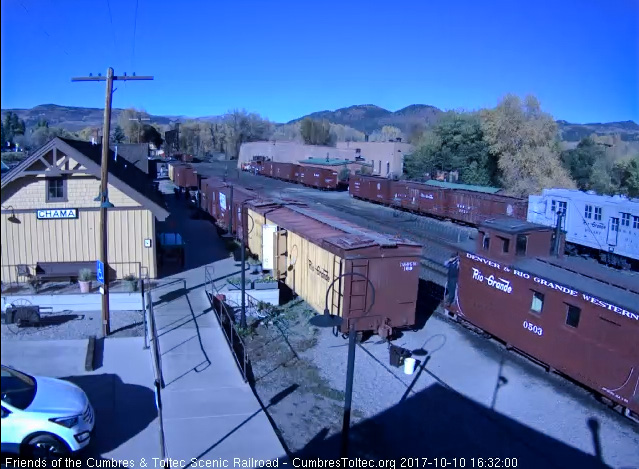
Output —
(572, 316)
(537, 302)
(625, 219)
(56, 190)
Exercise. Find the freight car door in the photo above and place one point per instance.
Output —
(280, 254)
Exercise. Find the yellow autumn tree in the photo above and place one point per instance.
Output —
(524, 140)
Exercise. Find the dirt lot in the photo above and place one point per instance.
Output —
(315, 409)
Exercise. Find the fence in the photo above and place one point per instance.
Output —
(151, 339)
(227, 322)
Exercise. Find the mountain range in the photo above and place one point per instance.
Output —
(365, 118)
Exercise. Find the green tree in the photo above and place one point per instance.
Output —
(118, 134)
(3, 136)
(523, 139)
(580, 162)
(151, 135)
(315, 132)
(132, 122)
(455, 143)
(627, 174)
(42, 123)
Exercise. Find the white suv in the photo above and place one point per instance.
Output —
(43, 417)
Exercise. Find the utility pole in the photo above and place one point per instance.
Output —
(103, 197)
(140, 119)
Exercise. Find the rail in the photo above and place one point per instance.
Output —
(227, 322)
(151, 337)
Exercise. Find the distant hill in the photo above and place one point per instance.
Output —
(365, 118)
(368, 117)
(627, 130)
(76, 118)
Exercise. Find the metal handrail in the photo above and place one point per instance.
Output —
(226, 321)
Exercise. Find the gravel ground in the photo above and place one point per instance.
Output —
(77, 325)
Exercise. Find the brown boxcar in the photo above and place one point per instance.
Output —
(377, 290)
(372, 188)
(209, 189)
(476, 207)
(267, 169)
(584, 327)
(321, 178)
(284, 171)
(172, 165)
(222, 207)
(185, 176)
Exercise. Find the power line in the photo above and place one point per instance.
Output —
(41, 27)
(135, 27)
(115, 47)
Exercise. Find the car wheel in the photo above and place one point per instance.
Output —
(45, 446)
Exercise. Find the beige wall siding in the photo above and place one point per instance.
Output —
(304, 277)
(255, 223)
(31, 193)
(32, 241)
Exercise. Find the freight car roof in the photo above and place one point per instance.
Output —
(324, 162)
(588, 285)
(465, 187)
(324, 229)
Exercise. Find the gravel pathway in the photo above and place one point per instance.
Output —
(77, 325)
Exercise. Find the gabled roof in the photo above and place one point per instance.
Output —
(135, 153)
(122, 174)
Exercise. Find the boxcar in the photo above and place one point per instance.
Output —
(372, 188)
(582, 325)
(476, 207)
(320, 178)
(267, 169)
(209, 189)
(228, 203)
(284, 171)
(172, 165)
(309, 251)
(185, 176)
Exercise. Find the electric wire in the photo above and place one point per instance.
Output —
(41, 27)
(115, 46)
(135, 27)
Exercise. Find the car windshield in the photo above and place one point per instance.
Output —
(18, 389)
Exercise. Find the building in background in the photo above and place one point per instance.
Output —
(384, 158)
(49, 213)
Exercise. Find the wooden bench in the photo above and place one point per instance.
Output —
(62, 270)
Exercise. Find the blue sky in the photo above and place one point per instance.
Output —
(284, 59)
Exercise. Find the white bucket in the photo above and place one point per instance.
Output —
(409, 365)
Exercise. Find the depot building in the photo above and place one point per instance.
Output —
(50, 215)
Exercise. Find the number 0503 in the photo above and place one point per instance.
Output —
(532, 328)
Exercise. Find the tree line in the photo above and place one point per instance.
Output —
(516, 146)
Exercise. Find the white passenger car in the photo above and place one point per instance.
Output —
(43, 417)
(608, 225)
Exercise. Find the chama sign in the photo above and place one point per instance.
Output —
(56, 213)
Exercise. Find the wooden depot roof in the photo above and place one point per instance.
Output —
(122, 174)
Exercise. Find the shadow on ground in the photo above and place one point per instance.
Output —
(440, 423)
(122, 411)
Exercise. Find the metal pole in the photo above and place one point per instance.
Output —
(346, 423)
(231, 212)
(161, 420)
(106, 321)
(243, 248)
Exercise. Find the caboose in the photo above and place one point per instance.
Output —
(573, 315)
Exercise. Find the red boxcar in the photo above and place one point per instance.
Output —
(267, 169)
(373, 188)
(321, 178)
(476, 207)
(284, 171)
(585, 326)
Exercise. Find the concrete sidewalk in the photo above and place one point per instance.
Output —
(209, 411)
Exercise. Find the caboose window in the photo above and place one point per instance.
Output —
(572, 318)
(537, 302)
(615, 224)
(522, 245)
(598, 213)
(625, 219)
(635, 222)
(588, 211)
(505, 244)
(486, 242)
